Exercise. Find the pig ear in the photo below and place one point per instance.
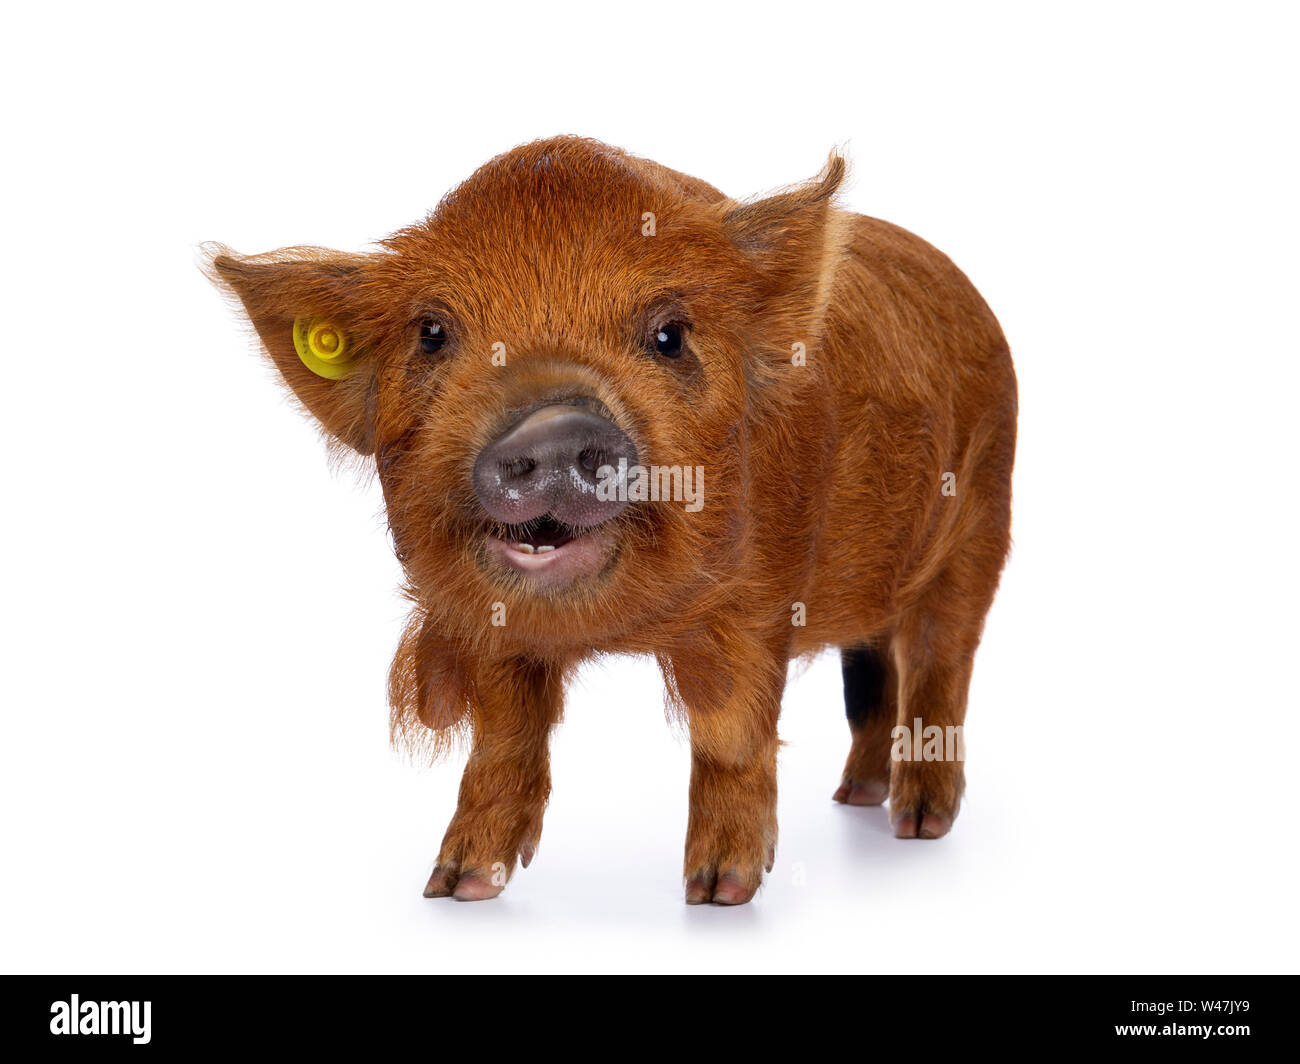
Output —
(303, 304)
(788, 235)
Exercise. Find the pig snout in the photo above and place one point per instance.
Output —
(550, 463)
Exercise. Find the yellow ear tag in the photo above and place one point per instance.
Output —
(322, 347)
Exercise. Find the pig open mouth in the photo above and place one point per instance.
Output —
(537, 482)
(551, 552)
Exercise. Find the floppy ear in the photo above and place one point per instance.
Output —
(792, 237)
(303, 304)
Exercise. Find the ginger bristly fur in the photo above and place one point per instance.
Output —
(838, 373)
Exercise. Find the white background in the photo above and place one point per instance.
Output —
(198, 614)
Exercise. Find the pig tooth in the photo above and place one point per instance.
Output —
(526, 548)
(543, 550)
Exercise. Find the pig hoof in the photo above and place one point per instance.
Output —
(727, 889)
(698, 892)
(924, 799)
(448, 882)
(862, 792)
(914, 824)
(731, 891)
(441, 883)
(474, 888)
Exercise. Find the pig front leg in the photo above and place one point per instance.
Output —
(507, 781)
(731, 830)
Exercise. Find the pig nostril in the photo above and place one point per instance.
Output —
(512, 468)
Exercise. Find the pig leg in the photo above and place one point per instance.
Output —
(731, 829)
(506, 784)
(871, 704)
(934, 648)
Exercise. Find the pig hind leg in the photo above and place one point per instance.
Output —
(871, 704)
(934, 648)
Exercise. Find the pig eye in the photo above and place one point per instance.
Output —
(432, 336)
(668, 340)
